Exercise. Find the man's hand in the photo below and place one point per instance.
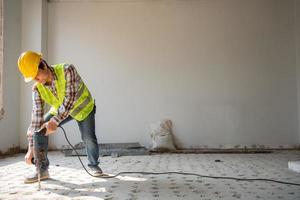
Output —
(28, 157)
(50, 126)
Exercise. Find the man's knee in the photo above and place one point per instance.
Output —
(89, 138)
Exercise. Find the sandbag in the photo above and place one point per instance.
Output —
(162, 136)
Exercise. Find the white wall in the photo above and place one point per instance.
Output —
(9, 125)
(34, 26)
(223, 71)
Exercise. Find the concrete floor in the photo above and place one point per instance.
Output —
(69, 180)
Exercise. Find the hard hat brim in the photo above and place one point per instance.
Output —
(28, 79)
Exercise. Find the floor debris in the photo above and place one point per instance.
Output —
(69, 180)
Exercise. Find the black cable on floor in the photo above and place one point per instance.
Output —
(181, 173)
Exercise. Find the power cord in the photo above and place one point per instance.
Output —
(181, 173)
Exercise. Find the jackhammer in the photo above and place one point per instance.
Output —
(40, 146)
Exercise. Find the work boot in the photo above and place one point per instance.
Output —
(32, 178)
(96, 170)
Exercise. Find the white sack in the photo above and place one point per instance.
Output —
(161, 136)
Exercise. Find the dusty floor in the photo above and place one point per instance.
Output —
(69, 180)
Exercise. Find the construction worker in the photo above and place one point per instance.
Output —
(62, 88)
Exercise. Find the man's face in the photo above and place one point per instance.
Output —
(42, 75)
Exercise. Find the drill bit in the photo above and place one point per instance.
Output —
(39, 180)
(38, 170)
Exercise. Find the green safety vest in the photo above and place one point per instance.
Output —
(82, 107)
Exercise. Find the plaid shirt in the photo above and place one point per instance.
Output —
(73, 81)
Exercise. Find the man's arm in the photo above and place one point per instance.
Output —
(36, 116)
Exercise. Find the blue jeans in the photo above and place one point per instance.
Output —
(88, 136)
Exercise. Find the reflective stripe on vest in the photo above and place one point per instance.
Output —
(82, 106)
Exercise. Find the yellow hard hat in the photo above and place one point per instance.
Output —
(28, 64)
